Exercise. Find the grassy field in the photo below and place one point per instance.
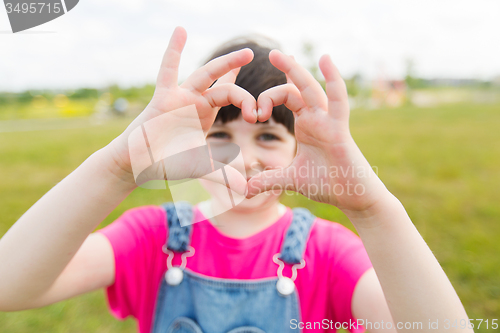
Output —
(442, 163)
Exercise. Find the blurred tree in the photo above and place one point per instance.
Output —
(24, 97)
(412, 81)
(85, 93)
(6, 98)
(353, 85)
(312, 66)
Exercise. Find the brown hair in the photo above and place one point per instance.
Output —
(256, 77)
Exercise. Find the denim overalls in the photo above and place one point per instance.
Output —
(191, 302)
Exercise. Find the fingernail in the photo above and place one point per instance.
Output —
(255, 114)
(259, 113)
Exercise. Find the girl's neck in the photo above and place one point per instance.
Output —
(242, 224)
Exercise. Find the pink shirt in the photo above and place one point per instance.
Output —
(335, 260)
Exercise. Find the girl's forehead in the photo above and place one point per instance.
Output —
(240, 122)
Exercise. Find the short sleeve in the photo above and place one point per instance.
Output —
(136, 238)
(350, 262)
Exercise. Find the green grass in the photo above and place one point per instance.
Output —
(442, 163)
(41, 108)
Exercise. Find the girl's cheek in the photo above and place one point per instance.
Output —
(281, 159)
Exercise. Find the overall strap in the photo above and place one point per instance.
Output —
(294, 243)
(180, 223)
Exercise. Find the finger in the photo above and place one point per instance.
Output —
(197, 163)
(169, 69)
(227, 176)
(336, 91)
(287, 94)
(310, 89)
(229, 93)
(229, 77)
(204, 76)
(276, 180)
(288, 80)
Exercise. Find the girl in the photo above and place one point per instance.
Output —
(259, 266)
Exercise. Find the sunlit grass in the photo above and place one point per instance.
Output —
(442, 163)
(41, 108)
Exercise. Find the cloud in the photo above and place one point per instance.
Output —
(122, 41)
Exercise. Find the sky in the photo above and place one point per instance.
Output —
(102, 42)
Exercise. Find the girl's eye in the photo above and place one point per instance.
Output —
(218, 135)
(268, 137)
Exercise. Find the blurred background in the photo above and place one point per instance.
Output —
(424, 86)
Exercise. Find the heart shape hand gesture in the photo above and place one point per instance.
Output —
(328, 167)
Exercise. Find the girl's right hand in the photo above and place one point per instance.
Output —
(176, 123)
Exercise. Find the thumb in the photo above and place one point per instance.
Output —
(276, 180)
(228, 176)
(211, 169)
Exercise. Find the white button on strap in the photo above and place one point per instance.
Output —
(285, 286)
(174, 276)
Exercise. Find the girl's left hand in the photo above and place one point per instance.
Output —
(328, 167)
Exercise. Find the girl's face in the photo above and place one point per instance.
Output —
(263, 146)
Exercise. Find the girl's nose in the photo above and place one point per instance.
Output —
(251, 160)
(252, 168)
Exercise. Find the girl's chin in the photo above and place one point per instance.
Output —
(257, 201)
